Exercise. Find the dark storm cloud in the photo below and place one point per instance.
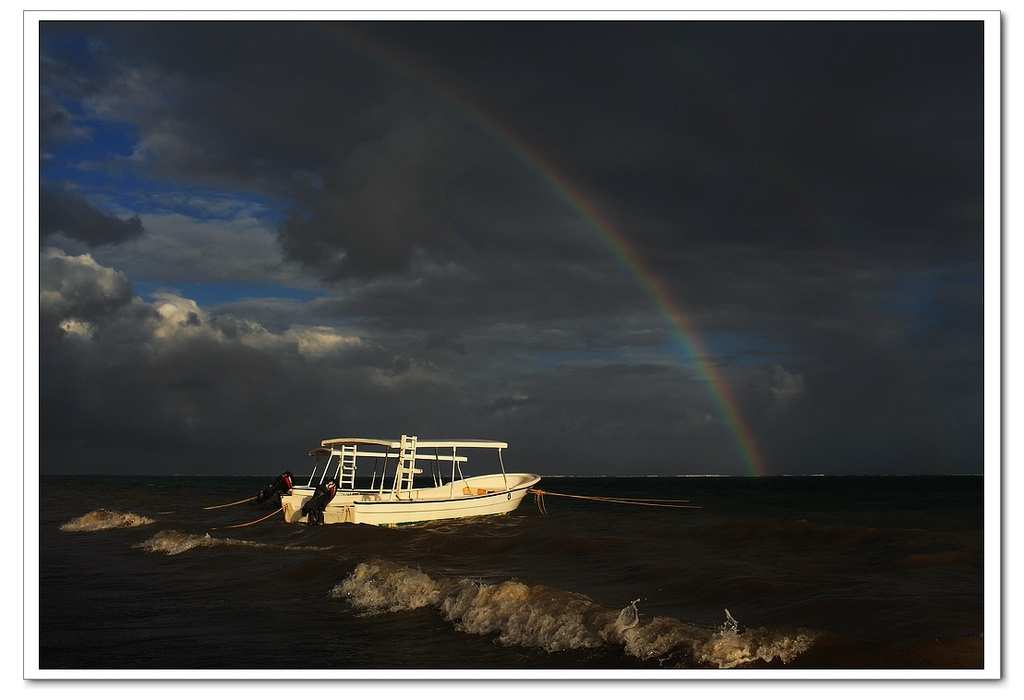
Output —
(126, 384)
(56, 125)
(387, 197)
(808, 193)
(769, 133)
(749, 131)
(373, 167)
(76, 218)
(190, 388)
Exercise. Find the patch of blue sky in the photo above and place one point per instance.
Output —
(71, 49)
(99, 157)
(923, 299)
(205, 204)
(214, 293)
(101, 168)
(129, 191)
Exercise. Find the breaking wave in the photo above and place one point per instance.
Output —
(535, 615)
(171, 542)
(105, 520)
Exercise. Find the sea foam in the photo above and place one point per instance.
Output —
(535, 615)
(171, 542)
(105, 520)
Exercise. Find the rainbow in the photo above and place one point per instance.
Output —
(681, 327)
(651, 285)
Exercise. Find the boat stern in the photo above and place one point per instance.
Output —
(291, 505)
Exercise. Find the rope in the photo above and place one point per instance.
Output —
(225, 505)
(538, 498)
(654, 502)
(229, 527)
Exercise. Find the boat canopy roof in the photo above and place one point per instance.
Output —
(420, 443)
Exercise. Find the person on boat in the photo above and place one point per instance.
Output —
(314, 507)
(281, 486)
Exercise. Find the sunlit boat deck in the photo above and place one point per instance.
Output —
(411, 481)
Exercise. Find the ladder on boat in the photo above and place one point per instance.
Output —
(347, 468)
(406, 469)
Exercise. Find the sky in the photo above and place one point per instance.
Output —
(624, 247)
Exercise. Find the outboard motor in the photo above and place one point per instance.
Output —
(314, 507)
(281, 486)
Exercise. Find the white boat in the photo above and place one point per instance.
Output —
(394, 495)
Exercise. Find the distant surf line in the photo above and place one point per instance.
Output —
(623, 251)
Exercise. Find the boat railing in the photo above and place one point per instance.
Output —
(419, 456)
(404, 461)
(349, 455)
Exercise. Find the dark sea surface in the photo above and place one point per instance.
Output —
(768, 573)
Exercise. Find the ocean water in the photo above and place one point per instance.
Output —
(765, 573)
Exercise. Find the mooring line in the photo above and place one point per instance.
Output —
(658, 503)
(225, 505)
(538, 498)
(229, 527)
(647, 500)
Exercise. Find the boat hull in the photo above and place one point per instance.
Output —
(493, 494)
